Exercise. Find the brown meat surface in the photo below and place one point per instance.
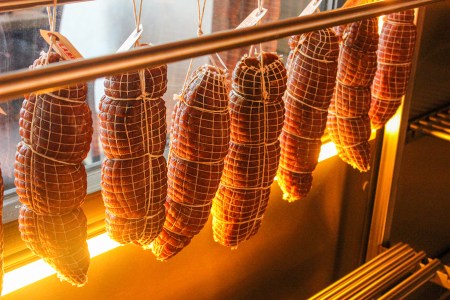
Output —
(132, 117)
(56, 130)
(348, 120)
(395, 51)
(257, 114)
(311, 81)
(200, 136)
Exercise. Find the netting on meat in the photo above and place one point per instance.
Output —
(348, 121)
(56, 130)
(200, 136)
(47, 186)
(311, 81)
(257, 114)
(60, 240)
(134, 173)
(395, 51)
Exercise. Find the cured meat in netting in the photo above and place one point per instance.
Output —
(134, 173)
(60, 240)
(348, 120)
(56, 130)
(395, 51)
(1, 231)
(312, 71)
(257, 114)
(200, 138)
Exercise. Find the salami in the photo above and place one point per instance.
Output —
(348, 121)
(395, 51)
(56, 131)
(133, 135)
(312, 68)
(257, 114)
(199, 143)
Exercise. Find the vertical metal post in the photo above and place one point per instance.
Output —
(390, 161)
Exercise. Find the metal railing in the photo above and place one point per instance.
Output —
(17, 83)
(7, 5)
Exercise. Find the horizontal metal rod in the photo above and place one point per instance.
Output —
(436, 133)
(386, 281)
(373, 276)
(441, 121)
(6, 5)
(366, 268)
(413, 282)
(433, 125)
(16, 83)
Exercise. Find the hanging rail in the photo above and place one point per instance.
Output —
(17, 83)
(6, 5)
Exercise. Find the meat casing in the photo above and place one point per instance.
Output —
(200, 138)
(134, 173)
(348, 120)
(56, 130)
(395, 51)
(312, 68)
(257, 114)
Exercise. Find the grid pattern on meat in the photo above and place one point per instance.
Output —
(56, 130)
(60, 240)
(257, 114)
(200, 136)
(132, 117)
(312, 68)
(348, 120)
(395, 51)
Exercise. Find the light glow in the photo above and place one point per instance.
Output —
(327, 151)
(37, 270)
(393, 125)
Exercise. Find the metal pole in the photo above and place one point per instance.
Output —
(17, 83)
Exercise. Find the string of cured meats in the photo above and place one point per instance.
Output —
(348, 120)
(395, 51)
(56, 131)
(312, 67)
(200, 137)
(257, 114)
(134, 173)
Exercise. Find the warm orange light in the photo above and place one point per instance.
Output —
(100, 244)
(38, 270)
(380, 23)
(393, 125)
(327, 150)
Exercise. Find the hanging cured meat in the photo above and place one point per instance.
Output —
(312, 68)
(134, 173)
(395, 51)
(348, 120)
(199, 143)
(257, 114)
(50, 179)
